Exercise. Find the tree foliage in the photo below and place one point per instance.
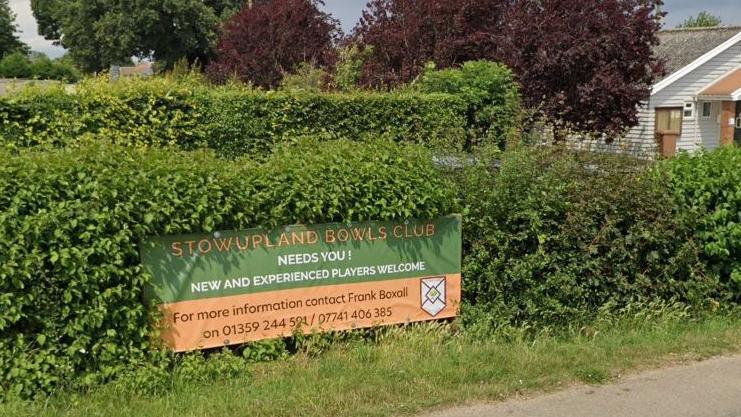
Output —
(305, 79)
(9, 41)
(45, 12)
(262, 43)
(37, 66)
(103, 32)
(349, 66)
(15, 65)
(586, 64)
(702, 20)
(406, 34)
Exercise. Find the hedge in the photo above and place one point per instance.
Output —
(554, 237)
(231, 120)
(708, 185)
(491, 94)
(551, 238)
(71, 309)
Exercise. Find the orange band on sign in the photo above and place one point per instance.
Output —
(221, 321)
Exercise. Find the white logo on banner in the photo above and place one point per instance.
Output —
(433, 294)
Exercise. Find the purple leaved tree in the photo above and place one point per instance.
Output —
(263, 42)
(584, 64)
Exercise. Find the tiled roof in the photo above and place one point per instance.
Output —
(144, 68)
(725, 86)
(680, 47)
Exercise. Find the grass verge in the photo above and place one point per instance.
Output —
(412, 370)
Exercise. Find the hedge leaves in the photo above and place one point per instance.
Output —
(71, 306)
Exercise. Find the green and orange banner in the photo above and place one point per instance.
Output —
(233, 287)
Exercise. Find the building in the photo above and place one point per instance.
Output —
(142, 69)
(697, 105)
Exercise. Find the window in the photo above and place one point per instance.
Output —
(689, 110)
(669, 120)
(707, 109)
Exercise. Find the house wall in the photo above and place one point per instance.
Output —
(642, 138)
(708, 130)
(697, 133)
(638, 141)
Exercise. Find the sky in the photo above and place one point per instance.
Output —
(348, 12)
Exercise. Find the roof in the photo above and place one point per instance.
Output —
(685, 50)
(681, 47)
(727, 86)
(144, 68)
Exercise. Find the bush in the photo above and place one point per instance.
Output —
(43, 68)
(708, 185)
(553, 236)
(19, 65)
(490, 92)
(15, 65)
(349, 68)
(305, 79)
(231, 120)
(71, 310)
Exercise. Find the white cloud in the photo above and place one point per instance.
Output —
(28, 31)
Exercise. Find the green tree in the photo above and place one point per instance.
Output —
(349, 69)
(99, 33)
(43, 68)
(227, 8)
(305, 78)
(9, 41)
(38, 66)
(702, 20)
(45, 11)
(16, 65)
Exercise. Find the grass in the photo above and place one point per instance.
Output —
(413, 370)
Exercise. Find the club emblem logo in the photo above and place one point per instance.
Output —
(433, 294)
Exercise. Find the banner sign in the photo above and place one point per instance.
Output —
(233, 287)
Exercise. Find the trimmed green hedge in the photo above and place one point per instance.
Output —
(71, 220)
(231, 120)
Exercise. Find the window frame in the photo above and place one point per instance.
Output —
(709, 105)
(669, 110)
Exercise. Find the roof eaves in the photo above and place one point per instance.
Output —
(701, 29)
(736, 96)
